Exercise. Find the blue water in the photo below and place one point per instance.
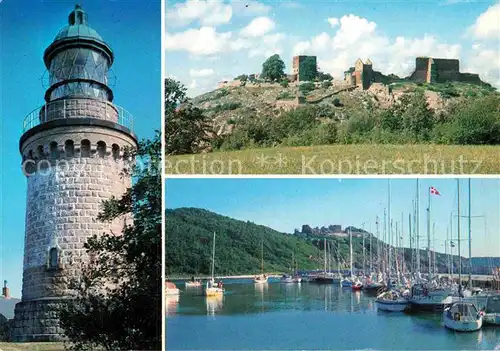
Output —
(306, 316)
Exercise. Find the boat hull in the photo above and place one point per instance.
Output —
(172, 292)
(392, 306)
(209, 292)
(193, 284)
(463, 326)
(346, 284)
(260, 281)
(492, 318)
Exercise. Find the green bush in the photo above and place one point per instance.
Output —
(226, 107)
(285, 95)
(326, 84)
(306, 88)
(284, 83)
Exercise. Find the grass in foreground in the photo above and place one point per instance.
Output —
(31, 346)
(344, 159)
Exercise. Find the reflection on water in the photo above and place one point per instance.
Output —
(304, 316)
(214, 304)
(171, 303)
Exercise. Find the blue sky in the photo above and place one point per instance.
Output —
(131, 28)
(286, 204)
(212, 40)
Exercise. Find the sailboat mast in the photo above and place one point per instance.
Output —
(371, 265)
(389, 219)
(417, 228)
(429, 232)
(213, 258)
(411, 249)
(378, 247)
(324, 250)
(458, 236)
(350, 250)
(470, 246)
(262, 256)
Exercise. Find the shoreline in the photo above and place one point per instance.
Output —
(242, 276)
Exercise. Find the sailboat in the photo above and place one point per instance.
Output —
(347, 282)
(211, 289)
(393, 300)
(293, 277)
(324, 277)
(262, 278)
(462, 315)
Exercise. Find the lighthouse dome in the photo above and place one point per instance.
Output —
(78, 27)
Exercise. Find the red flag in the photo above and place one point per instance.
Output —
(434, 191)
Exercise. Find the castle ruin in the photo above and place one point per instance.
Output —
(437, 70)
(361, 75)
(298, 68)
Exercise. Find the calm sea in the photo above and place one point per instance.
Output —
(303, 317)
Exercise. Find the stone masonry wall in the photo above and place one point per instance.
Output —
(66, 184)
(78, 108)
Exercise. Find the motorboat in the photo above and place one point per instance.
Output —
(463, 316)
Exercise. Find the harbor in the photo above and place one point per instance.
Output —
(415, 266)
(296, 316)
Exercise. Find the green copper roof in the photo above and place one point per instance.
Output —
(78, 26)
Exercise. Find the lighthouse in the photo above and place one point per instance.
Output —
(74, 149)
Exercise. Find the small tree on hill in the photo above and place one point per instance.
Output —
(273, 68)
(186, 126)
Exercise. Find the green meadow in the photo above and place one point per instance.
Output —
(362, 159)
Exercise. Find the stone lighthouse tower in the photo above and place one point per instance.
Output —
(73, 156)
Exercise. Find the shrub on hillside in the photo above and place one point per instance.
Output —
(306, 88)
(285, 95)
(326, 84)
(284, 83)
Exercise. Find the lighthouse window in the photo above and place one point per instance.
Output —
(54, 151)
(85, 148)
(69, 148)
(115, 149)
(101, 148)
(53, 258)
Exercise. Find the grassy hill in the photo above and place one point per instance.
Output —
(189, 234)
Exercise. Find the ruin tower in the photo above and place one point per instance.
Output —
(73, 150)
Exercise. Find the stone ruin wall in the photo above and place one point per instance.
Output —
(446, 70)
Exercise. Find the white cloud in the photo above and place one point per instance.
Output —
(301, 48)
(193, 84)
(258, 27)
(487, 25)
(208, 13)
(201, 73)
(334, 22)
(203, 41)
